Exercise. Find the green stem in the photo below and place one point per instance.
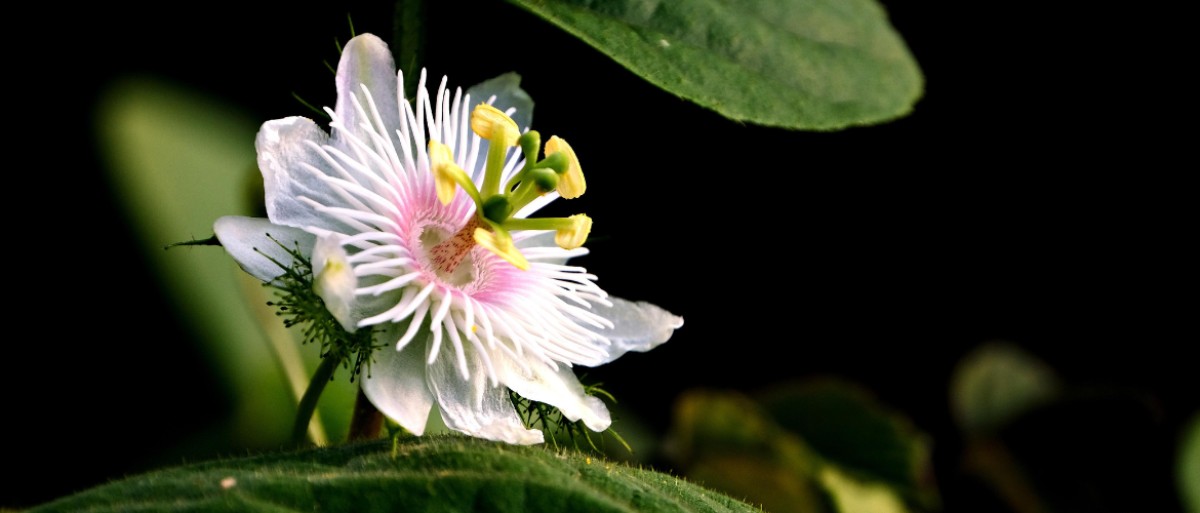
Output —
(308, 403)
(409, 42)
(991, 460)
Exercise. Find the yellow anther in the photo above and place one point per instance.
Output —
(494, 125)
(444, 171)
(571, 184)
(574, 235)
(502, 245)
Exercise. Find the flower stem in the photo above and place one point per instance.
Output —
(409, 42)
(991, 460)
(308, 403)
(366, 422)
(283, 347)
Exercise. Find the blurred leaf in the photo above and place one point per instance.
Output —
(772, 484)
(846, 426)
(996, 383)
(809, 64)
(179, 161)
(726, 441)
(1188, 466)
(431, 474)
(709, 422)
(854, 496)
(803, 448)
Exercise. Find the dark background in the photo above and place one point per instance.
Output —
(1026, 199)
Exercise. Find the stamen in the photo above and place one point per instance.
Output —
(501, 132)
(570, 232)
(572, 184)
(575, 235)
(500, 243)
(447, 174)
(492, 124)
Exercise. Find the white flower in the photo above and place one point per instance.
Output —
(468, 305)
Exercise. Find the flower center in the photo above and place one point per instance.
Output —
(447, 254)
(496, 203)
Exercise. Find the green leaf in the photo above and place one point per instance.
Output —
(178, 161)
(846, 426)
(725, 440)
(997, 382)
(1188, 466)
(429, 474)
(800, 64)
(822, 446)
(857, 496)
(774, 484)
(719, 423)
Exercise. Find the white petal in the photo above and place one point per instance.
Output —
(291, 167)
(367, 61)
(396, 384)
(544, 239)
(559, 388)
(637, 326)
(334, 280)
(540, 246)
(253, 242)
(473, 406)
(534, 239)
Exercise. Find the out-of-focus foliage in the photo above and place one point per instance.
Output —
(997, 382)
(1188, 466)
(819, 446)
(179, 161)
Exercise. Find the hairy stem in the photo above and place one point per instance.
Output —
(308, 403)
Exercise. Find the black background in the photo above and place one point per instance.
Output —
(1027, 198)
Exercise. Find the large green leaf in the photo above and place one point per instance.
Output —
(801, 64)
(430, 474)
